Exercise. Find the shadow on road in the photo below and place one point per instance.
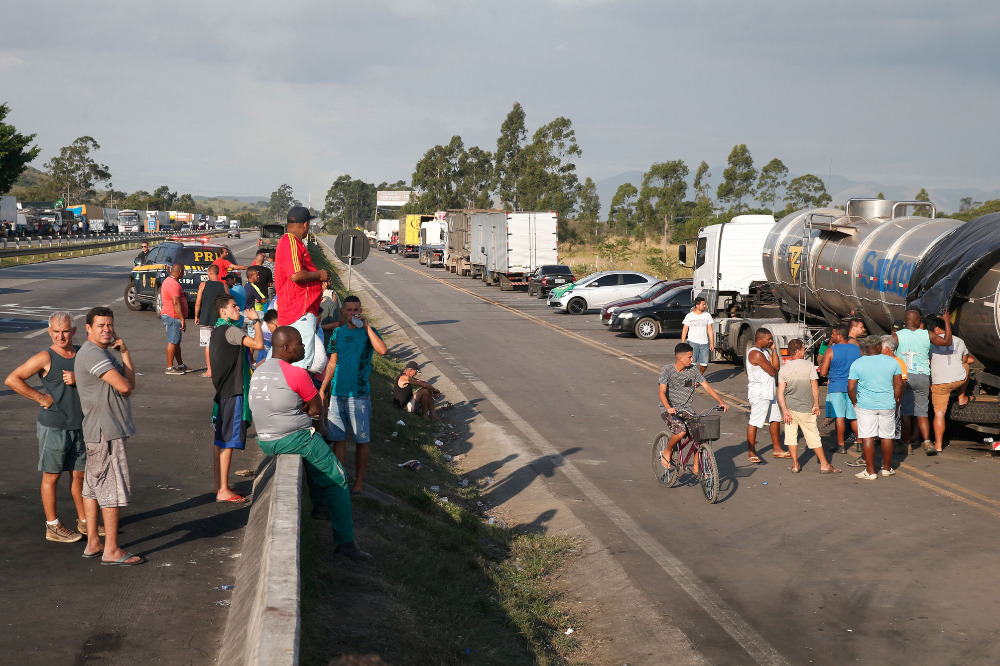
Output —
(230, 519)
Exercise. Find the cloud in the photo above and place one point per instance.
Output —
(9, 61)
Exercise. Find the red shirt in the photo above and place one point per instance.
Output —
(169, 290)
(294, 299)
(223, 265)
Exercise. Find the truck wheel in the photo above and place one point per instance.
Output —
(647, 328)
(130, 299)
(541, 294)
(576, 306)
(746, 344)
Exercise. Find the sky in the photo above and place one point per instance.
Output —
(226, 97)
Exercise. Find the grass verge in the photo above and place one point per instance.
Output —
(446, 586)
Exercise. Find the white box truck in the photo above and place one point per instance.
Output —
(386, 232)
(520, 243)
(482, 233)
(8, 210)
(432, 242)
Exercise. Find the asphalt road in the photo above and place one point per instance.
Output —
(785, 568)
(58, 608)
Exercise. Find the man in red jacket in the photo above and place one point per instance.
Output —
(298, 283)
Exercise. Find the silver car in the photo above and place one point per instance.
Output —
(597, 289)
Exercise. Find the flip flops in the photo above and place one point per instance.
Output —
(235, 499)
(782, 454)
(123, 562)
(755, 460)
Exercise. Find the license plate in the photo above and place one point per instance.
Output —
(559, 280)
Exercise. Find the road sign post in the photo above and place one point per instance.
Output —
(351, 247)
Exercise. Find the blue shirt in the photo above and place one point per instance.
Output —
(874, 375)
(354, 360)
(844, 354)
(239, 294)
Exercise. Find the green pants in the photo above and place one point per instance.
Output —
(324, 476)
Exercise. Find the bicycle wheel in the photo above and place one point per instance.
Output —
(708, 475)
(666, 477)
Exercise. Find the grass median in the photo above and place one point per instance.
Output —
(446, 586)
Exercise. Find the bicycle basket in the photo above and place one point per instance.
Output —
(705, 428)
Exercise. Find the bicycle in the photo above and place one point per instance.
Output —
(700, 430)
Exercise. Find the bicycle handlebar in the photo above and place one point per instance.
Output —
(691, 415)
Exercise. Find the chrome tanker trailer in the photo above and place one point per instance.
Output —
(875, 260)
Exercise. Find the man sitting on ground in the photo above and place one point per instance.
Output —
(404, 398)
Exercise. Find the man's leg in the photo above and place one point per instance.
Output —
(112, 552)
(752, 440)
(49, 483)
(360, 465)
(939, 429)
(887, 450)
(94, 544)
(76, 492)
(171, 354)
(671, 443)
(775, 429)
(792, 441)
(208, 364)
(841, 426)
(223, 458)
(868, 446)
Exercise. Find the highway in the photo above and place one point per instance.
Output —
(785, 568)
(58, 608)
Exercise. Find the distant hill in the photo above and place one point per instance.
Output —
(261, 201)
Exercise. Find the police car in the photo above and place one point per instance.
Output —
(144, 283)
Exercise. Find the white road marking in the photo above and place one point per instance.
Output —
(739, 629)
(37, 333)
(120, 299)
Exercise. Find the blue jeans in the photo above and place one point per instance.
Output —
(350, 414)
(700, 353)
(173, 329)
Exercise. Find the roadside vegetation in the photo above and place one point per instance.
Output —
(446, 586)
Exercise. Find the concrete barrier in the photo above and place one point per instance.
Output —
(264, 619)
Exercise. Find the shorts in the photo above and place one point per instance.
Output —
(410, 406)
(173, 329)
(106, 477)
(204, 335)
(230, 428)
(700, 353)
(810, 432)
(880, 423)
(674, 423)
(915, 395)
(60, 450)
(765, 410)
(306, 326)
(941, 393)
(349, 414)
(838, 406)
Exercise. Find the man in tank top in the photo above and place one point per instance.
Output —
(404, 398)
(836, 365)
(762, 365)
(59, 424)
(204, 313)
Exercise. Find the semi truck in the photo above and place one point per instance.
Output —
(158, 220)
(482, 229)
(517, 244)
(872, 261)
(8, 210)
(92, 215)
(410, 234)
(458, 243)
(386, 232)
(432, 242)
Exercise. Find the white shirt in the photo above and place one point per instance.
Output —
(946, 362)
(760, 385)
(697, 323)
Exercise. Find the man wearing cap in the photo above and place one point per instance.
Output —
(913, 345)
(875, 386)
(298, 283)
(404, 398)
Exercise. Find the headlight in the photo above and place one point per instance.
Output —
(625, 315)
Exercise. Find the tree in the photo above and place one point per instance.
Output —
(590, 207)
(739, 179)
(772, 178)
(281, 201)
(549, 180)
(475, 169)
(437, 176)
(663, 190)
(162, 199)
(509, 158)
(806, 191)
(75, 172)
(701, 186)
(185, 203)
(922, 211)
(621, 216)
(14, 152)
(137, 200)
(349, 202)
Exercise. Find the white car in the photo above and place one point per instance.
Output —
(600, 288)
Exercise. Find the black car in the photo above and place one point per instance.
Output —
(664, 314)
(144, 282)
(391, 248)
(544, 278)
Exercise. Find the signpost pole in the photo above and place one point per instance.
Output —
(350, 266)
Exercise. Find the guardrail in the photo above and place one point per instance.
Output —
(50, 244)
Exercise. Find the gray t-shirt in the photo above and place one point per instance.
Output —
(277, 392)
(107, 414)
(680, 386)
(798, 376)
(946, 362)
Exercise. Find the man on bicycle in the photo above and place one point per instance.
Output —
(678, 382)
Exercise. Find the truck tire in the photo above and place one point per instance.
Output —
(647, 328)
(975, 412)
(131, 302)
(576, 306)
(745, 344)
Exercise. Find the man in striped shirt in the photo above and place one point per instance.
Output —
(298, 283)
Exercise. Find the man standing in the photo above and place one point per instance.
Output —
(404, 398)
(762, 365)
(105, 384)
(222, 261)
(351, 350)
(298, 282)
(174, 312)
(856, 331)
(256, 292)
(286, 409)
(329, 312)
(140, 258)
(204, 313)
(836, 365)
(266, 276)
(59, 423)
(913, 345)
(696, 330)
(232, 381)
(798, 396)
(949, 373)
(678, 382)
(875, 386)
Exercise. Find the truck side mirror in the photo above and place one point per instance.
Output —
(682, 255)
(482, 250)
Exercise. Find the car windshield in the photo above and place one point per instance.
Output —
(653, 291)
(588, 279)
(272, 231)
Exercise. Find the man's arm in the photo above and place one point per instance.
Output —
(711, 338)
(38, 364)
(824, 366)
(123, 383)
(684, 333)
(663, 400)
(897, 387)
(309, 276)
(257, 341)
(814, 384)
(331, 367)
(757, 358)
(945, 340)
(852, 390)
(197, 304)
(178, 311)
(786, 415)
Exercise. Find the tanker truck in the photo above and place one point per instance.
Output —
(873, 261)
